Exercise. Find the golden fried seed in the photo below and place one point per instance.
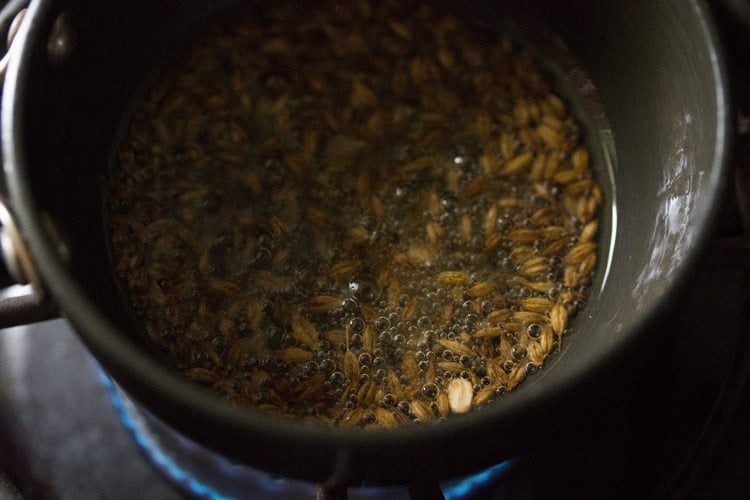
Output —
(553, 232)
(411, 307)
(579, 252)
(558, 318)
(419, 165)
(304, 331)
(476, 186)
(367, 393)
(466, 229)
(497, 316)
(517, 163)
(443, 403)
(225, 288)
(481, 289)
(516, 376)
(402, 259)
(456, 347)
(410, 368)
(400, 29)
(453, 278)
(521, 113)
(552, 121)
(450, 366)
(507, 147)
(362, 96)
(385, 418)
(317, 217)
(570, 275)
(293, 355)
(522, 235)
(555, 247)
(492, 242)
(203, 375)
(271, 282)
(540, 305)
(580, 159)
(543, 215)
(493, 331)
(351, 366)
(421, 410)
(566, 176)
(587, 264)
(394, 293)
(484, 396)
(456, 245)
(538, 168)
(551, 166)
(483, 125)
(323, 303)
(534, 265)
(344, 269)
(528, 317)
(460, 394)
(579, 187)
(204, 263)
(434, 232)
(490, 219)
(354, 417)
(549, 135)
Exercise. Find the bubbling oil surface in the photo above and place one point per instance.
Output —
(366, 215)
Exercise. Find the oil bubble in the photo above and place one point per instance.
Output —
(382, 324)
(357, 325)
(356, 340)
(337, 378)
(424, 322)
(519, 351)
(471, 320)
(311, 368)
(534, 330)
(429, 390)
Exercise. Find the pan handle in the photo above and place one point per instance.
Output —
(25, 301)
(22, 297)
(12, 15)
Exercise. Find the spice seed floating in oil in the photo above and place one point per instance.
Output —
(362, 216)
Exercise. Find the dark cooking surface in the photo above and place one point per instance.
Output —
(60, 162)
(60, 436)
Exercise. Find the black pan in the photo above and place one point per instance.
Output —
(650, 82)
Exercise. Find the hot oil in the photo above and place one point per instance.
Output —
(363, 215)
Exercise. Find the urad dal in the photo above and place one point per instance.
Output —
(367, 215)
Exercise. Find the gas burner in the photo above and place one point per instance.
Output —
(203, 473)
(62, 432)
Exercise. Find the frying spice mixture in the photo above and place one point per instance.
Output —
(362, 214)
